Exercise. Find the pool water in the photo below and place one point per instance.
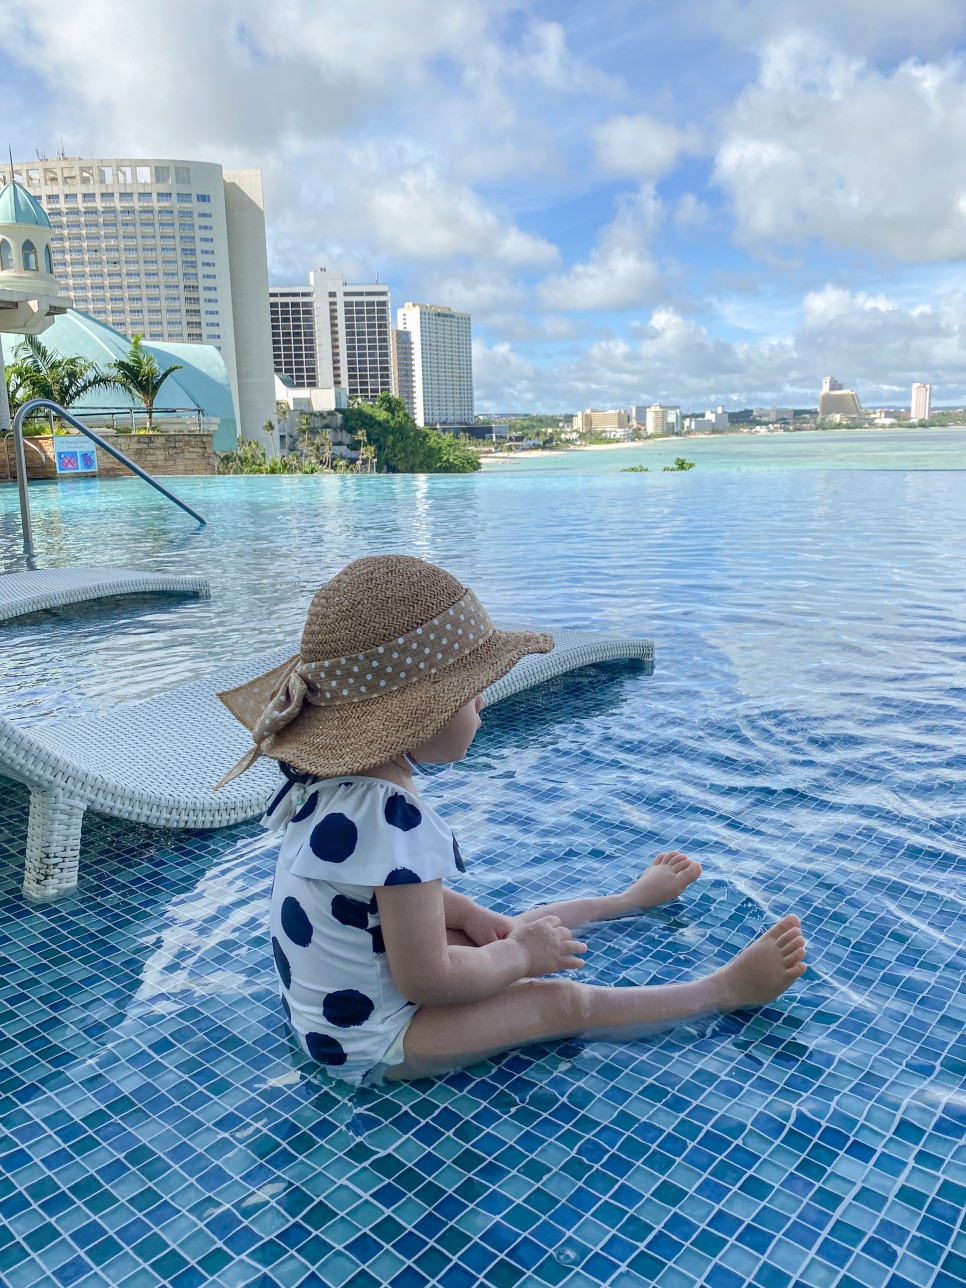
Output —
(803, 736)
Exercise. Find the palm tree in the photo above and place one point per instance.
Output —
(39, 372)
(138, 373)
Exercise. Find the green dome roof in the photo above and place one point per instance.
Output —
(17, 206)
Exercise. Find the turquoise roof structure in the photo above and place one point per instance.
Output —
(201, 383)
(17, 206)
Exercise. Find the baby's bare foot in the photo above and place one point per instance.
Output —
(763, 970)
(668, 876)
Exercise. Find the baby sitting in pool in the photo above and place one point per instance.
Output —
(385, 973)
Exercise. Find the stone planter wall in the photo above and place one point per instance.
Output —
(157, 453)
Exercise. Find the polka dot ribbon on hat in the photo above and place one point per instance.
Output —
(408, 659)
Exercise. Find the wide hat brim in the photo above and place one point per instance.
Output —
(347, 737)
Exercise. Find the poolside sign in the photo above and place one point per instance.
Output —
(76, 456)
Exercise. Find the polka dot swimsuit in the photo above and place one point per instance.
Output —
(344, 837)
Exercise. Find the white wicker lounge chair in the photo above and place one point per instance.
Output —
(154, 761)
(30, 592)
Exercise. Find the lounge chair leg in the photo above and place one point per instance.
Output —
(53, 845)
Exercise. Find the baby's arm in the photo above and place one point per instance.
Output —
(480, 925)
(428, 971)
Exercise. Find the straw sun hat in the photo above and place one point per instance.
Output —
(392, 648)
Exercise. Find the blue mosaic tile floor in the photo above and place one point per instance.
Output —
(159, 1128)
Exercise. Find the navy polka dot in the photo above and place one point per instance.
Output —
(347, 1008)
(324, 1049)
(350, 912)
(345, 784)
(334, 839)
(402, 813)
(402, 876)
(378, 943)
(282, 964)
(457, 857)
(278, 797)
(306, 808)
(373, 905)
(295, 922)
(286, 1008)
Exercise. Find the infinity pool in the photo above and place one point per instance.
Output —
(803, 736)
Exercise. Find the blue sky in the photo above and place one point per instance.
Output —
(716, 201)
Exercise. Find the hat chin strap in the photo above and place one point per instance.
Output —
(428, 773)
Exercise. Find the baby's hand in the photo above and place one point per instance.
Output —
(483, 926)
(550, 945)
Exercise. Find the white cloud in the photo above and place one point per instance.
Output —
(824, 145)
(420, 215)
(691, 212)
(881, 27)
(620, 272)
(232, 75)
(641, 146)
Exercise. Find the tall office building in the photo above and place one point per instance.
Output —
(830, 385)
(403, 373)
(442, 363)
(352, 325)
(169, 248)
(921, 402)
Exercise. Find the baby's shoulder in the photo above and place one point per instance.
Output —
(364, 831)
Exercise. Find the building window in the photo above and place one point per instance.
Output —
(162, 174)
(48, 262)
(30, 257)
(164, 196)
(6, 255)
(183, 197)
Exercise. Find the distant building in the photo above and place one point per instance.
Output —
(830, 385)
(403, 372)
(839, 404)
(921, 402)
(594, 421)
(442, 363)
(294, 346)
(712, 422)
(660, 419)
(773, 414)
(348, 325)
(172, 249)
(308, 397)
(637, 414)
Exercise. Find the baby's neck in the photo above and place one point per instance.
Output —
(393, 771)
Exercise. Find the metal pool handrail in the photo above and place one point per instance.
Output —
(63, 414)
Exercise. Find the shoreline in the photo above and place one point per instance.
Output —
(682, 439)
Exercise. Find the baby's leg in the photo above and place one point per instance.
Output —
(440, 1038)
(668, 877)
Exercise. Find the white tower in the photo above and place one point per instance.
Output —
(921, 402)
(442, 363)
(30, 296)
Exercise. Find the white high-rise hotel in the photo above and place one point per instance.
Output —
(921, 402)
(172, 249)
(330, 334)
(442, 364)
